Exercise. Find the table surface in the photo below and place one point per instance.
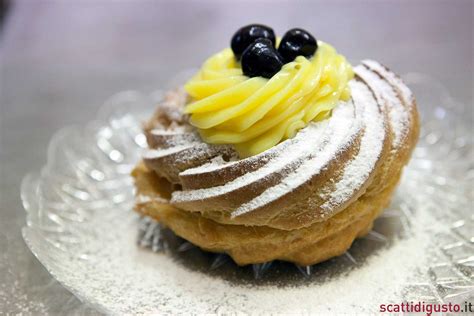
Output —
(61, 59)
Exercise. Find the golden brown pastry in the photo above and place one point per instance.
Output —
(304, 199)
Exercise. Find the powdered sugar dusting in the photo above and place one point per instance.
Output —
(404, 91)
(171, 138)
(314, 131)
(398, 115)
(267, 155)
(360, 167)
(160, 153)
(124, 279)
(160, 132)
(215, 164)
(342, 130)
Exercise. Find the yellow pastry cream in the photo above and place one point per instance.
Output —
(254, 114)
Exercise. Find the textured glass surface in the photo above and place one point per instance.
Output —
(80, 223)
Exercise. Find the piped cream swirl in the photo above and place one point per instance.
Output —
(254, 114)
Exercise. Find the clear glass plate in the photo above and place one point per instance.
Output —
(81, 227)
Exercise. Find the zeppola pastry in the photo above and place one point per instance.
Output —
(277, 149)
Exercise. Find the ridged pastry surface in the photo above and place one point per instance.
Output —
(354, 158)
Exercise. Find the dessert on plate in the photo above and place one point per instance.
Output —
(277, 148)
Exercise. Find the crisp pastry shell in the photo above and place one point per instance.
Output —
(303, 238)
(257, 244)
